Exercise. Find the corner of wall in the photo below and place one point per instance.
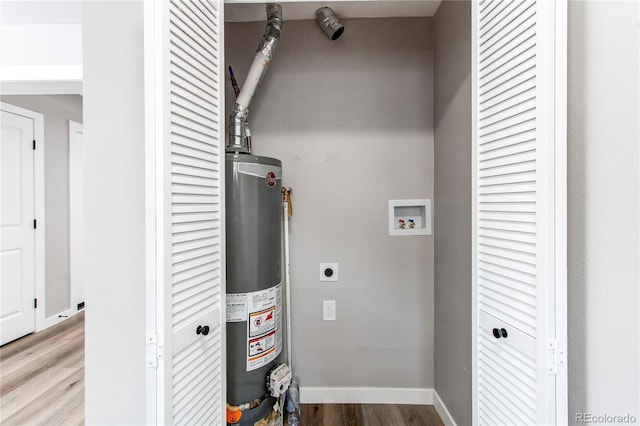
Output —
(452, 212)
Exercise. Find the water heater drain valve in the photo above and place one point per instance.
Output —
(279, 380)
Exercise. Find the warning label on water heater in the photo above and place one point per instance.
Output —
(264, 326)
(236, 307)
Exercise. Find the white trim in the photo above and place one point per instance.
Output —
(38, 187)
(545, 245)
(442, 410)
(162, 177)
(339, 395)
(154, 380)
(41, 72)
(41, 87)
(38, 167)
(560, 191)
(474, 213)
(59, 317)
(77, 276)
(223, 220)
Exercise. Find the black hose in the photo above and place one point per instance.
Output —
(234, 83)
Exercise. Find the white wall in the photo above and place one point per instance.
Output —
(352, 122)
(114, 215)
(604, 233)
(57, 110)
(41, 52)
(40, 41)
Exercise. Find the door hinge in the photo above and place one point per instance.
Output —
(35, 303)
(34, 144)
(154, 351)
(35, 224)
(557, 356)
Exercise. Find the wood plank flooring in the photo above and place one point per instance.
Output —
(369, 415)
(42, 376)
(42, 383)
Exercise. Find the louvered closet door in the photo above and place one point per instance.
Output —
(519, 214)
(190, 174)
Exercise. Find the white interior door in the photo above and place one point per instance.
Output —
(76, 215)
(519, 159)
(17, 267)
(185, 77)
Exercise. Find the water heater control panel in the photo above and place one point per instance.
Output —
(279, 380)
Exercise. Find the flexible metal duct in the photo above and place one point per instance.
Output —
(237, 121)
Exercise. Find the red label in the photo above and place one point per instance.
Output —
(271, 179)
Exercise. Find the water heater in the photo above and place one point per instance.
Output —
(254, 281)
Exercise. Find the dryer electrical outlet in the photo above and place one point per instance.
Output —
(329, 272)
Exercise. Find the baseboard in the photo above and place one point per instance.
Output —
(442, 410)
(57, 318)
(317, 395)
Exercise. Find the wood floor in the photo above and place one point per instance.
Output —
(368, 415)
(42, 377)
(42, 383)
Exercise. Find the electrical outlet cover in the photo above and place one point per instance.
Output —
(329, 272)
(329, 310)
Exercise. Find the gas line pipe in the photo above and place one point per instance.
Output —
(287, 213)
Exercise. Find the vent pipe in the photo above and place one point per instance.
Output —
(329, 22)
(238, 137)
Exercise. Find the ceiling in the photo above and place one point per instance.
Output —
(58, 61)
(248, 10)
(13, 12)
(21, 12)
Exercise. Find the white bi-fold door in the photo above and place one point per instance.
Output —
(184, 73)
(519, 226)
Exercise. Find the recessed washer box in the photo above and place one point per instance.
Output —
(410, 217)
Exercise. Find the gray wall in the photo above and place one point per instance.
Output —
(114, 217)
(352, 121)
(604, 235)
(57, 110)
(452, 86)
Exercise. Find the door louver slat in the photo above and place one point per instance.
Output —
(195, 215)
(507, 211)
(508, 374)
(505, 16)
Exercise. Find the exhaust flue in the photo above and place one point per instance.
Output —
(329, 22)
(238, 138)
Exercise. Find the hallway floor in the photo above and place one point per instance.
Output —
(42, 376)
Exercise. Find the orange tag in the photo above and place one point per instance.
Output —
(233, 416)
